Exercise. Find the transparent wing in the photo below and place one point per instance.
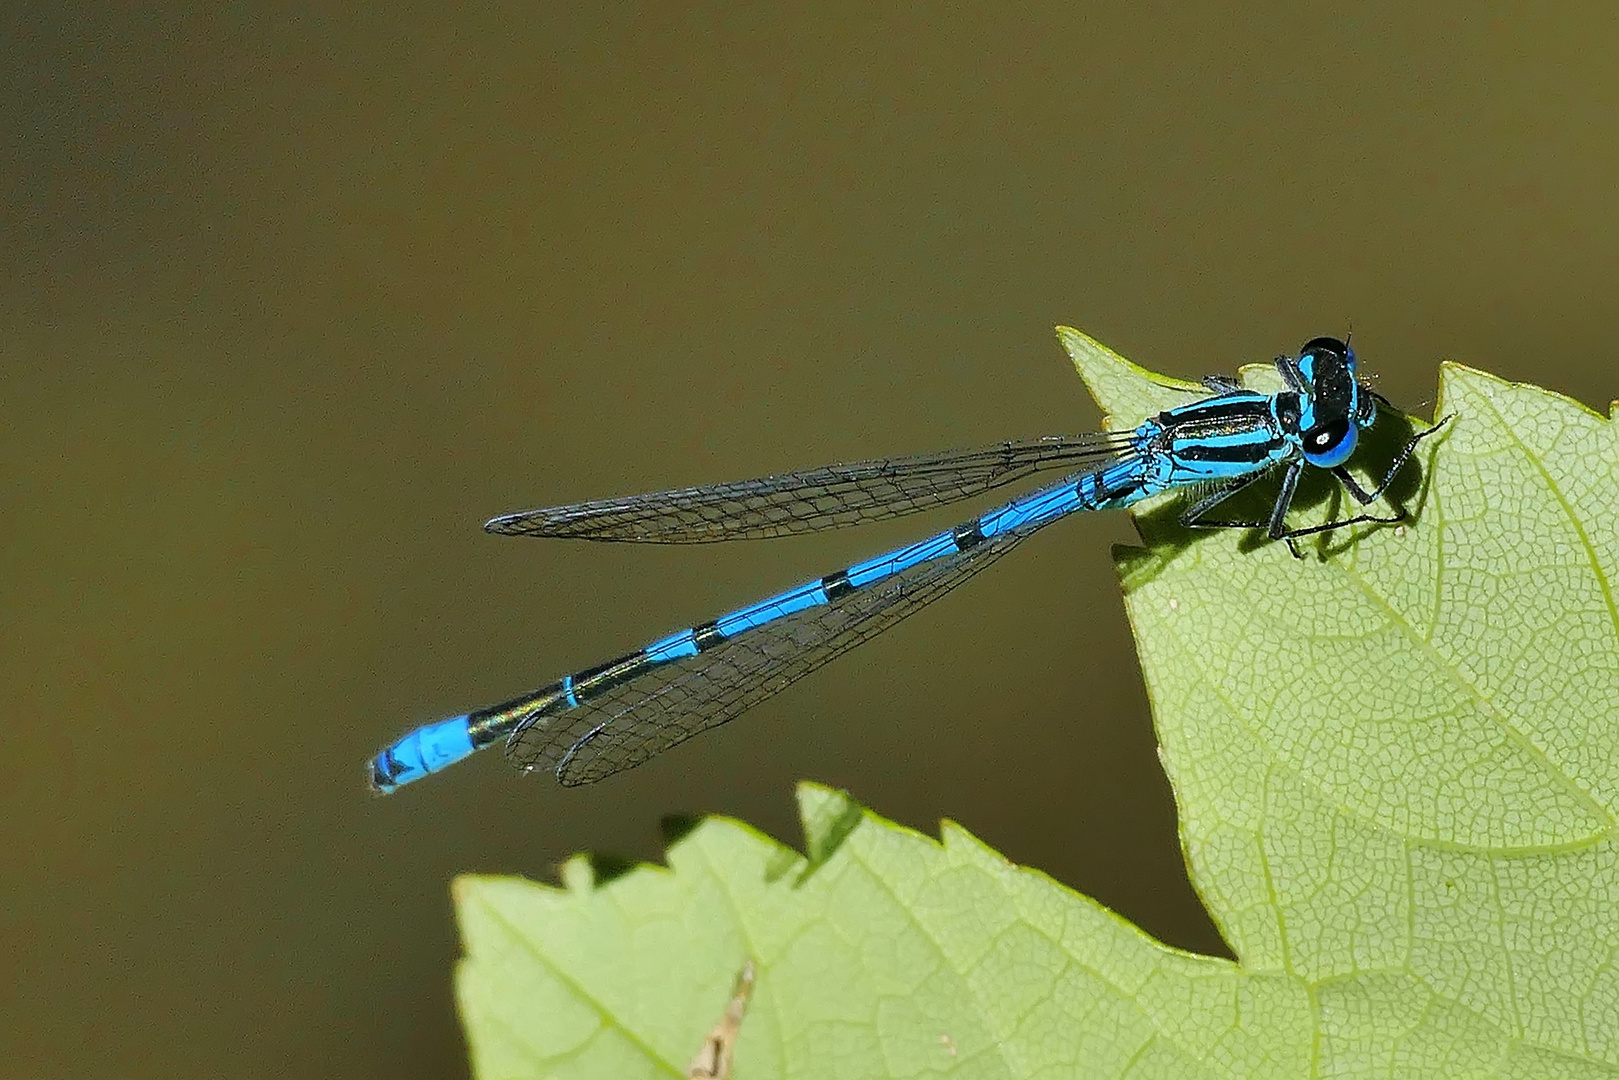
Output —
(825, 498)
(669, 704)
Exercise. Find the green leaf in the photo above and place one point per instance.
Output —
(1396, 762)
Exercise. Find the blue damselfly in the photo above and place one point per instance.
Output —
(614, 716)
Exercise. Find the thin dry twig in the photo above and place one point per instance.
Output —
(713, 1061)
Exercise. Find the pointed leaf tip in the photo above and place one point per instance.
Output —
(1126, 392)
(828, 817)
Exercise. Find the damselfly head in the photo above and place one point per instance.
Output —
(1331, 411)
(1323, 356)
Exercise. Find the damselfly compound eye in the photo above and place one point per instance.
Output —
(1329, 443)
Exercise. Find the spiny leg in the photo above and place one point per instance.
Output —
(1277, 528)
(1192, 515)
(1292, 536)
(1274, 526)
(1359, 519)
(1366, 498)
(1288, 369)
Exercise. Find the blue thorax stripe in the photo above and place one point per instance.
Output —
(1249, 446)
(1244, 437)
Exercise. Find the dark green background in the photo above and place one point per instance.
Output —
(292, 300)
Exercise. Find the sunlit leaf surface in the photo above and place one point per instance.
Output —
(1396, 761)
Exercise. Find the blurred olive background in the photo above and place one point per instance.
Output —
(293, 299)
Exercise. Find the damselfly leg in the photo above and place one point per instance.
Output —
(1366, 498)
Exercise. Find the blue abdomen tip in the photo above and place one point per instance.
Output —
(424, 751)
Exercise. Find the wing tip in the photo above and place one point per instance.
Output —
(519, 524)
